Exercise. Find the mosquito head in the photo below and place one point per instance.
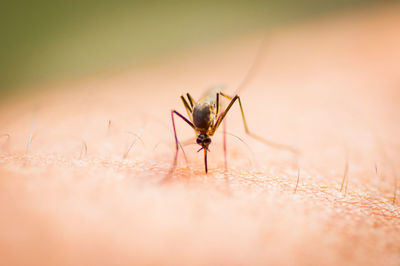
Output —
(203, 140)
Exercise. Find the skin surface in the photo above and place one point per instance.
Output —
(82, 194)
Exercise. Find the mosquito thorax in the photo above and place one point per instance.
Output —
(202, 116)
(203, 140)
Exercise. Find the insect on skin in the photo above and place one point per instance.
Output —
(206, 115)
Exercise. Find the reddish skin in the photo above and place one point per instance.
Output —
(325, 87)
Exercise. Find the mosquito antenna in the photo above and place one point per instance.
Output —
(253, 67)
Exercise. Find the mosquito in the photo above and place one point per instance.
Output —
(206, 115)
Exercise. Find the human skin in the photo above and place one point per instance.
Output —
(77, 195)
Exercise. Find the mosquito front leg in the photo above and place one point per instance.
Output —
(217, 103)
(246, 128)
(223, 114)
(191, 100)
(189, 109)
(173, 112)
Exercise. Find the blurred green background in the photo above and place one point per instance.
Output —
(47, 40)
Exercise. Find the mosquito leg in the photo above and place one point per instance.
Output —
(189, 111)
(253, 68)
(267, 142)
(171, 171)
(191, 100)
(217, 101)
(187, 107)
(181, 146)
(184, 153)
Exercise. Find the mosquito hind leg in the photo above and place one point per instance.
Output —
(246, 128)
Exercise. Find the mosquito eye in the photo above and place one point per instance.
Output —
(207, 141)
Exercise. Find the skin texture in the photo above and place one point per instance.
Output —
(84, 192)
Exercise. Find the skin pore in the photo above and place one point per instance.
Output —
(80, 166)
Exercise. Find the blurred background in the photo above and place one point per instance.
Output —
(44, 41)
